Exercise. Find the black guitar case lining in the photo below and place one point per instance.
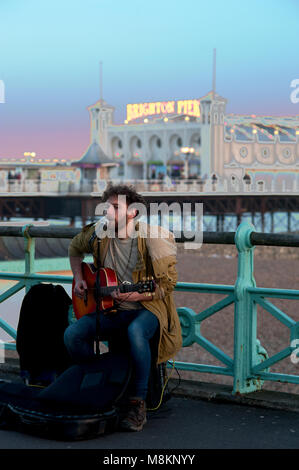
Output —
(80, 404)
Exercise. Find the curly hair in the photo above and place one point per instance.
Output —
(123, 190)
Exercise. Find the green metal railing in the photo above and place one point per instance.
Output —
(250, 364)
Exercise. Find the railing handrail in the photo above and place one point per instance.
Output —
(221, 238)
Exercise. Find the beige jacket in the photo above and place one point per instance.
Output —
(162, 252)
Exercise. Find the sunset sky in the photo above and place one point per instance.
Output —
(151, 51)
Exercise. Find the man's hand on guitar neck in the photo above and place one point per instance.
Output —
(131, 296)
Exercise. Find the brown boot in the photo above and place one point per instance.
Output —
(136, 415)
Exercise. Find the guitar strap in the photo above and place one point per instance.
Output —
(91, 240)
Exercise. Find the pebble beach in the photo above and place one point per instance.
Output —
(274, 267)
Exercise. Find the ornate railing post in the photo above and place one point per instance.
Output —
(29, 254)
(247, 349)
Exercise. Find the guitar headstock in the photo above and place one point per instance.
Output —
(147, 285)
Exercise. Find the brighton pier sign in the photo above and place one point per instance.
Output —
(160, 108)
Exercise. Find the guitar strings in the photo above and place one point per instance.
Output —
(112, 251)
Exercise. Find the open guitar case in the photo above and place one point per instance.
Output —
(80, 404)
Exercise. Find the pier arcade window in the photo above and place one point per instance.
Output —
(261, 185)
(243, 152)
(135, 146)
(265, 152)
(175, 144)
(176, 171)
(195, 141)
(116, 146)
(287, 153)
(247, 179)
(155, 145)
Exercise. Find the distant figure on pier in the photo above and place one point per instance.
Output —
(148, 320)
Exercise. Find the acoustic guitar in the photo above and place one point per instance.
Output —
(107, 284)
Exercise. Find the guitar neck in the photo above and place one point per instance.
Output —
(105, 291)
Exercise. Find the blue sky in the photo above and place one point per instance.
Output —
(159, 50)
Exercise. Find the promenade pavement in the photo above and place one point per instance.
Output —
(184, 423)
(214, 420)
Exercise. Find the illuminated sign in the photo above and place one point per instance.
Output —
(58, 175)
(140, 110)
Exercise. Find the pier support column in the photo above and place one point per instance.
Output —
(217, 223)
(263, 221)
(289, 221)
(272, 222)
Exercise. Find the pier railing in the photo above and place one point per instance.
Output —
(250, 364)
(88, 186)
(197, 185)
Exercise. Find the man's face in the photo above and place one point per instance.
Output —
(117, 211)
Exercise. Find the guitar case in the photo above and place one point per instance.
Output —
(42, 322)
(81, 404)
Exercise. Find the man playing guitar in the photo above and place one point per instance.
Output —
(140, 314)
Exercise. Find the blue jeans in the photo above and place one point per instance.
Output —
(140, 326)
